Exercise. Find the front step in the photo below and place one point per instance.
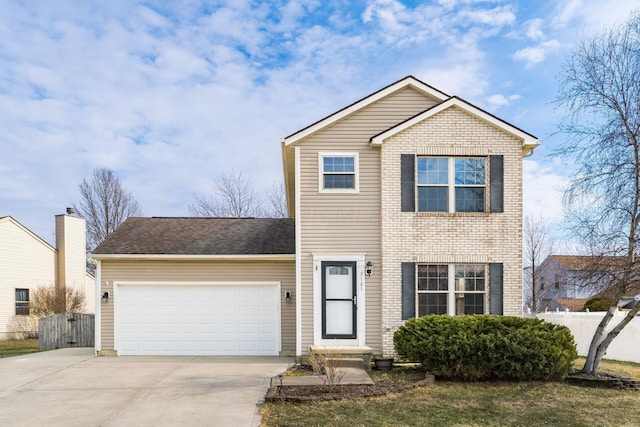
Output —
(347, 357)
(347, 362)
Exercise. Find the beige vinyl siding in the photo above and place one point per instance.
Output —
(27, 262)
(219, 271)
(72, 265)
(342, 224)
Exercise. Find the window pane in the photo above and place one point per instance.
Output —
(470, 278)
(432, 304)
(339, 164)
(470, 303)
(433, 277)
(339, 181)
(22, 302)
(470, 171)
(433, 170)
(469, 199)
(432, 199)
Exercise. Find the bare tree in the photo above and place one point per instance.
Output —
(537, 247)
(276, 201)
(45, 301)
(600, 87)
(104, 204)
(234, 197)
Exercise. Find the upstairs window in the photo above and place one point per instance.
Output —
(22, 302)
(338, 172)
(451, 184)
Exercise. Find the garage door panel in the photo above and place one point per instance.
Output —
(198, 320)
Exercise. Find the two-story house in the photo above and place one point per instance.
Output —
(569, 281)
(27, 262)
(407, 202)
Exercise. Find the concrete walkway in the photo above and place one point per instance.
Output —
(351, 376)
(71, 387)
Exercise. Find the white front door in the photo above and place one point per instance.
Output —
(339, 299)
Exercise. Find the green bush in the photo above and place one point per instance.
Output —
(597, 303)
(487, 347)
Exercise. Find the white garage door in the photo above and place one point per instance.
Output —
(184, 319)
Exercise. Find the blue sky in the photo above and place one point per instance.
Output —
(169, 94)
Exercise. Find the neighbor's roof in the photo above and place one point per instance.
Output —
(578, 262)
(201, 236)
(573, 304)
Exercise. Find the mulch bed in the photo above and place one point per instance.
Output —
(384, 384)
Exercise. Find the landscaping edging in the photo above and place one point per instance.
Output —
(309, 393)
(603, 381)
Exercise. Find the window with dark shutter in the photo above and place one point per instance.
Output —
(408, 290)
(496, 183)
(407, 178)
(495, 288)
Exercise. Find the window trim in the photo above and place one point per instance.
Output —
(451, 185)
(27, 302)
(451, 291)
(356, 171)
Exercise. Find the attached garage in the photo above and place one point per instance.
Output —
(198, 319)
(197, 286)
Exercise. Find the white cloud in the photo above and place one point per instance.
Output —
(535, 54)
(496, 101)
(534, 29)
(543, 188)
(591, 14)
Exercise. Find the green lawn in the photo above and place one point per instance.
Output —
(473, 404)
(10, 348)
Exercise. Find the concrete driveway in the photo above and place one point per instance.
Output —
(71, 387)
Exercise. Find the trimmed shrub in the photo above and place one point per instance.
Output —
(487, 347)
(597, 303)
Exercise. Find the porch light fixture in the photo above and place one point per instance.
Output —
(369, 269)
(287, 296)
(105, 297)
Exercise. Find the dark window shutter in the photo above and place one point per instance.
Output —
(408, 290)
(496, 183)
(495, 288)
(407, 178)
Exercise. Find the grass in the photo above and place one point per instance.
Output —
(10, 348)
(474, 404)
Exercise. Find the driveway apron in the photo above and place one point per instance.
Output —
(71, 387)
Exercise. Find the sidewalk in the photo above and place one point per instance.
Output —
(351, 376)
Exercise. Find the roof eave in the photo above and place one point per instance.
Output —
(194, 257)
(529, 142)
(408, 81)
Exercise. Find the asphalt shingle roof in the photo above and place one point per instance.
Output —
(201, 236)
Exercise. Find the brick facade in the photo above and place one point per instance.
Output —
(449, 238)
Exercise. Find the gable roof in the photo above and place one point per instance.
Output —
(587, 262)
(200, 236)
(27, 231)
(529, 142)
(408, 81)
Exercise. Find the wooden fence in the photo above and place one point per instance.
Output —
(66, 330)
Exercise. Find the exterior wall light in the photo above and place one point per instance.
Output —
(287, 296)
(105, 297)
(369, 269)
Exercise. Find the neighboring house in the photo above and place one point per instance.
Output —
(28, 262)
(405, 203)
(568, 281)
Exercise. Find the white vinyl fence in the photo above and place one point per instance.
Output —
(626, 346)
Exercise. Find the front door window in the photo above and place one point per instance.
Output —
(339, 302)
